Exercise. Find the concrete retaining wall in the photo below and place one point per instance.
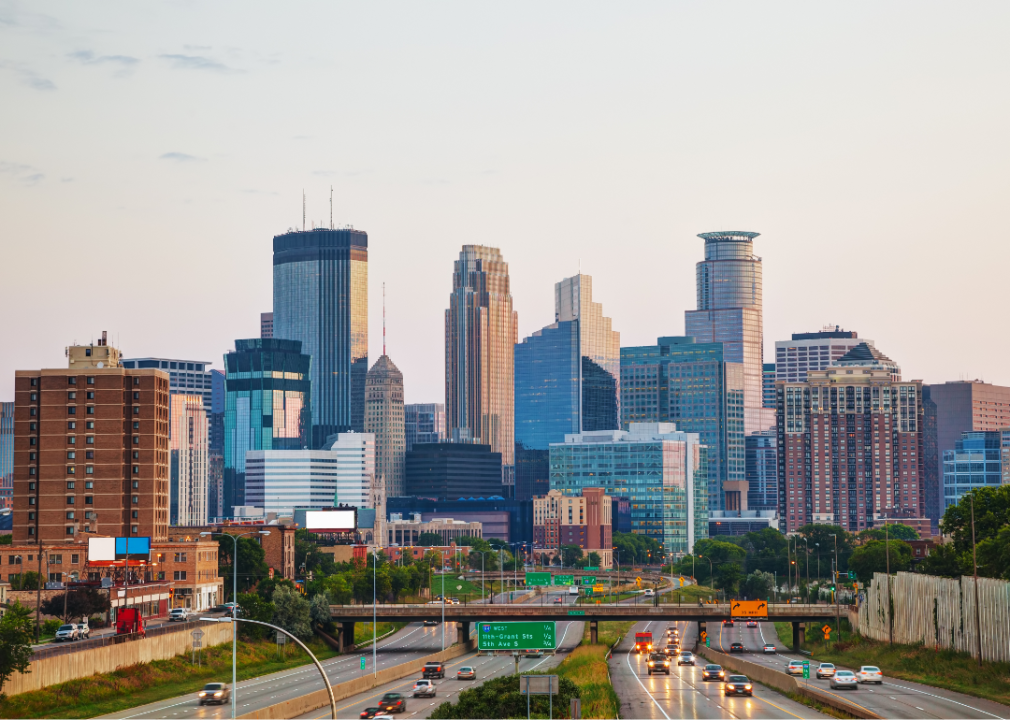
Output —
(319, 699)
(85, 663)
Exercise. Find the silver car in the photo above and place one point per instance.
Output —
(844, 679)
(67, 633)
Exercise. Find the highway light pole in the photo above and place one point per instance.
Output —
(838, 613)
(887, 566)
(234, 610)
(974, 562)
(806, 562)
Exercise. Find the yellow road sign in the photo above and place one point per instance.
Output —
(826, 629)
(704, 635)
(682, 582)
(599, 589)
(638, 581)
(749, 608)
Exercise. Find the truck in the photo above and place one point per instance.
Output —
(433, 670)
(573, 590)
(130, 621)
(643, 642)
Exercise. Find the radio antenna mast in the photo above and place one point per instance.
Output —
(384, 318)
(331, 207)
(303, 210)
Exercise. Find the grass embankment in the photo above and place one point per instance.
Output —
(149, 682)
(939, 668)
(363, 631)
(586, 666)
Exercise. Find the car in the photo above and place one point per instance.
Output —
(370, 712)
(844, 679)
(670, 650)
(466, 673)
(214, 692)
(67, 633)
(559, 601)
(178, 614)
(728, 623)
(825, 670)
(393, 702)
(671, 630)
(649, 592)
(428, 623)
(658, 662)
(533, 653)
(794, 667)
(686, 657)
(870, 673)
(736, 647)
(712, 672)
(83, 630)
(424, 688)
(768, 648)
(433, 670)
(454, 601)
(752, 623)
(737, 685)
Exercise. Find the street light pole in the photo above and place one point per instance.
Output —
(838, 613)
(806, 563)
(887, 566)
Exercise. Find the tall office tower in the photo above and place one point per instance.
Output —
(91, 449)
(762, 471)
(188, 443)
(186, 377)
(423, 423)
(384, 419)
(850, 445)
(768, 385)
(730, 311)
(695, 386)
(356, 479)
(975, 462)
(6, 455)
(480, 332)
(567, 379)
(953, 408)
(626, 464)
(266, 325)
(215, 447)
(321, 299)
(267, 406)
(814, 351)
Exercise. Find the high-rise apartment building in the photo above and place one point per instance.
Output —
(321, 300)
(850, 445)
(694, 386)
(266, 325)
(661, 471)
(762, 470)
(480, 334)
(730, 312)
(975, 462)
(384, 419)
(423, 423)
(6, 455)
(91, 449)
(814, 351)
(267, 407)
(188, 443)
(953, 408)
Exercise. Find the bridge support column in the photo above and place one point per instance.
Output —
(346, 636)
(464, 631)
(593, 630)
(797, 636)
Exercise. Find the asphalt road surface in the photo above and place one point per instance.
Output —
(893, 699)
(683, 694)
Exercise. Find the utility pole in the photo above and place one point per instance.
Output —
(974, 562)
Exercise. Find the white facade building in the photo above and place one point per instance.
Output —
(813, 351)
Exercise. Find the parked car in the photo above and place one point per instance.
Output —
(737, 685)
(712, 672)
(424, 688)
(83, 630)
(825, 670)
(794, 667)
(769, 648)
(218, 693)
(433, 670)
(67, 633)
(686, 657)
(393, 702)
(752, 623)
(658, 662)
(736, 647)
(466, 673)
(844, 679)
(178, 614)
(870, 673)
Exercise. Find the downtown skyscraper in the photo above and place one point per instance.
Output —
(730, 311)
(384, 419)
(321, 300)
(481, 330)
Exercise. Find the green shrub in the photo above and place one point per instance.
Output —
(49, 627)
(501, 698)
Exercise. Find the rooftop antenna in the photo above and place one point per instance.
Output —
(331, 207)
(383, 318)
(303, 210)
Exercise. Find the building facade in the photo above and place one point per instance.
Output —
(813, 351)
(506, 519)
(321, 300)
(267, 407)
(762, 470)
(585, 521)
(406, 531)
(266, 325)
(768, 385)
(481, 330)
(660, 470)
(357, 485)
(730, 311)
(6, 455)
(278, 544)
(975, 462)
(452, 471)
(186, 377)
(850, 445)
(188, 445)
(694, 386)
(423, 423)
(385, 420)
(91, 449)
(278, 481)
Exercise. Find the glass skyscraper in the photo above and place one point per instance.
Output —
(423, 423)
(762, 471)
(321, 300)
(695, 386)
(974, 462)
(267, 406)
(661, 471)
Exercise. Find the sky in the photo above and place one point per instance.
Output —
(149, 152)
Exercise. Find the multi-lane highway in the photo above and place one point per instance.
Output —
(683, 694)
(893, 699)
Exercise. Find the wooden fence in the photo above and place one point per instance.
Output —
(939, 612)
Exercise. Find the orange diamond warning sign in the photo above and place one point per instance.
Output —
(826, 628)
(749, 608)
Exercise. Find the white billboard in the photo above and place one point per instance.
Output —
(330, 521)
(101, 549)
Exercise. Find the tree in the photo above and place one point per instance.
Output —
(309, 556)
(265, 588)
(17, 632)
(429, 539)
(571, 554)
(873, 558)
(338, 590)
(470, 541)
(252, 567)
(893, 531)
(292, 612)
(757, 585)
(945, 561)
(253, 607)
(594, 559)
(992, 513)
(83, 602)
(319, 610)
(824, 537)
(25, 581)
(497, 544)
(994, 555)
(766, 551)
(7, 539)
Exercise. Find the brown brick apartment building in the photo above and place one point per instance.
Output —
(278, 546)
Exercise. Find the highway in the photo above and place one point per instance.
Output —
(893, 699)
(683, 694)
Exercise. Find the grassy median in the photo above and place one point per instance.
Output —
(149, 682)
(586, 666)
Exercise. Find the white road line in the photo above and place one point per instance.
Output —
(635, 675)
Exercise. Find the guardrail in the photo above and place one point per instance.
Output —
(55, 649)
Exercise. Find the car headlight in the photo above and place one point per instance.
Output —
(650, 663)
(218, 694)
(746, 687)
(203, 694)
(721, 673)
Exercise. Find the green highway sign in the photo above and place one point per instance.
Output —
(591, 567)
(588, 580)
(806, 670)
(538, 579)
(515, 635)
(362, 662)
(576, 612)
(564, 579)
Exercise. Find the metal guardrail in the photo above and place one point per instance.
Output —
(55, 649)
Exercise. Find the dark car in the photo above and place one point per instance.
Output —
(737, 685)
(659, 663)
(433, 670)
(371, 712)
(393, 702)
(670, 650)
(736, 647)
(430, 622)
(728, 623)
(218, 693)
(712, 672)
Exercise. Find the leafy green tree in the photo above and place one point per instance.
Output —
(945, 561)
(571, 554)
(822, 540)
(25, 581)
(872, 558)
(265, 588)
(309, 556)
(594, 559)
(252, 567)
(83, 602)
(994, 555)
(471, 541)
(338, 589)
(319, 610)
(501, 698)
(7, 539)
(429, 539)
(490, 558)
(757, 585)
(253, 607)
(766, 551)
(497, 544)
(893, 531)
(992, 513)
(292, 612)
(17, 632)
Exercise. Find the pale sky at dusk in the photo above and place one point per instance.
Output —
(150, 151)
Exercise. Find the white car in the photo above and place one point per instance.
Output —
(83, 630)
(178, 614)
(870, 673)
(649, 592)
(770, 649)
(424, 688)
(825, 670)
(67, 633)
